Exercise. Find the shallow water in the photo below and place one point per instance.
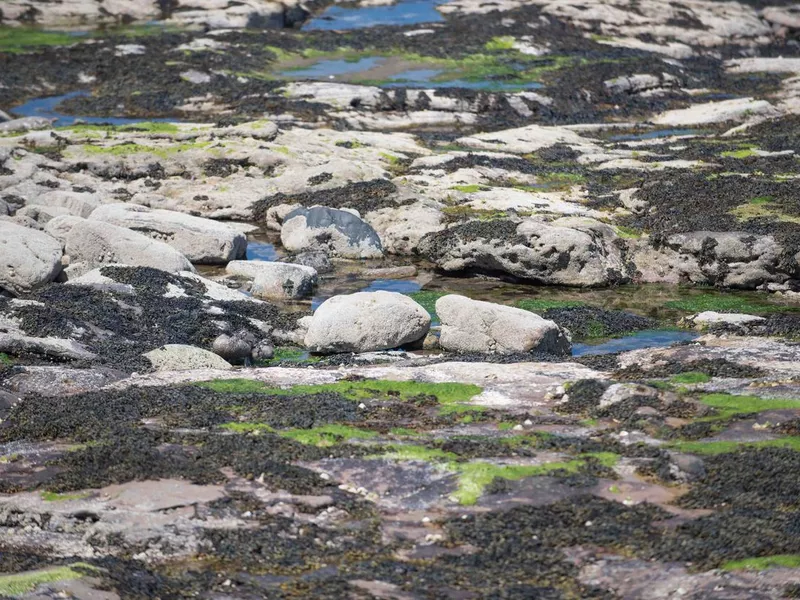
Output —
(651, 338)
(262, 251)
(379, 68)
(401, 286)
(47, 107)
(405, 12)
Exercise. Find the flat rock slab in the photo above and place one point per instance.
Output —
(163, 494)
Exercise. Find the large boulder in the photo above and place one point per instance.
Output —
(365, 322)
(202, 241)
(574, 251)
(475, 326)
(95, 243)
(339, 233)
(28, 258)
(180, 357)
(276, 280)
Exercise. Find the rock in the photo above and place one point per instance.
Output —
(233, 348)
(4, 116)
(264, 350)
(95, 279)
(365, 322)
(572, 251)
(180, 357)
(687, 467)
(317, 260)
(28, 258)
(60, 380)
(620, 392)
(25, 124)
(202, 241)
(709, 318)
(59, 348)
(40, 213)
(390, 273)
(98, 243)
(276, 280)
(737, 109)
(475, 326)
(339, 233)
(78, 204)
(728, 259)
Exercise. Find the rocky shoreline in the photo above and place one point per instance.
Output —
(399, 300)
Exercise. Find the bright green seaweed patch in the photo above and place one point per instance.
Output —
(5, 359)
(542, 304)
(128, 149)
(16, 40)
(327, 435)
(418, 453)
(452, 397)
(244, 427)
(728, 405)
(144, 126)
(502, 42)
(725, 446)
(55, 497)
(723, 303)
(742, 152)
(427, 299)
(690, 377)
(22, 583)
(470, 188)
(762, 563)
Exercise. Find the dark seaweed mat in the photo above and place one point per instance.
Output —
(119, 327)
(716, 367)
(582, 320)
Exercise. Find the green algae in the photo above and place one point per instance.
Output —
(6, 360)
(144, 126)
(417, 453)
(470, 188)
(729, 405)
(628, 233)
(722, 302)
(132, 148)
(452, 397)
(17, 40)
(55, 497)
(742, 152)
(762, 563)
(725, 446)
(244, 427)
(690, 377)
(327, 435)
(427, 299)
(502, 42)
(18, 584)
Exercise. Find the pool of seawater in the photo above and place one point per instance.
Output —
(257, 250)
(47, 107)
(651, 338)
(401, 286)
(374, 68)
(404, 12)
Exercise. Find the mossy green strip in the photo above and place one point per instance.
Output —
(55, 497)
(22, 583)
(763, 563)
(470, 188)
(5, 359)
(724, 447)
(690, 377)
(419, 453)
(327, 435)
(16, 40)
(728, 405)
(724, 302)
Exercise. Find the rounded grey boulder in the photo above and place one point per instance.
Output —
(28, 258)
(474, 326)
(366, 322)
(338, 233)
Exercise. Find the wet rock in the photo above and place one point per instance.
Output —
(710, 319)
(570, 251)
(339, 233)
(28, 258)
(96, 243)
(179, 357)
(234, 348)
(686, 467)
(263, 350)
(276, 280)
(475, 326)
(62, 349)
(365, 322)
(202, 241)
(318, 261)
(390, 273)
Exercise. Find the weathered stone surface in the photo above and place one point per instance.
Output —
(276, 280)
(339, 233)
(366, 321)
(571, 251)
(96, 243)
(709, 318)
(202, 241)
(28, 258)
(475, 326)
(179, 357)
(14, 343)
